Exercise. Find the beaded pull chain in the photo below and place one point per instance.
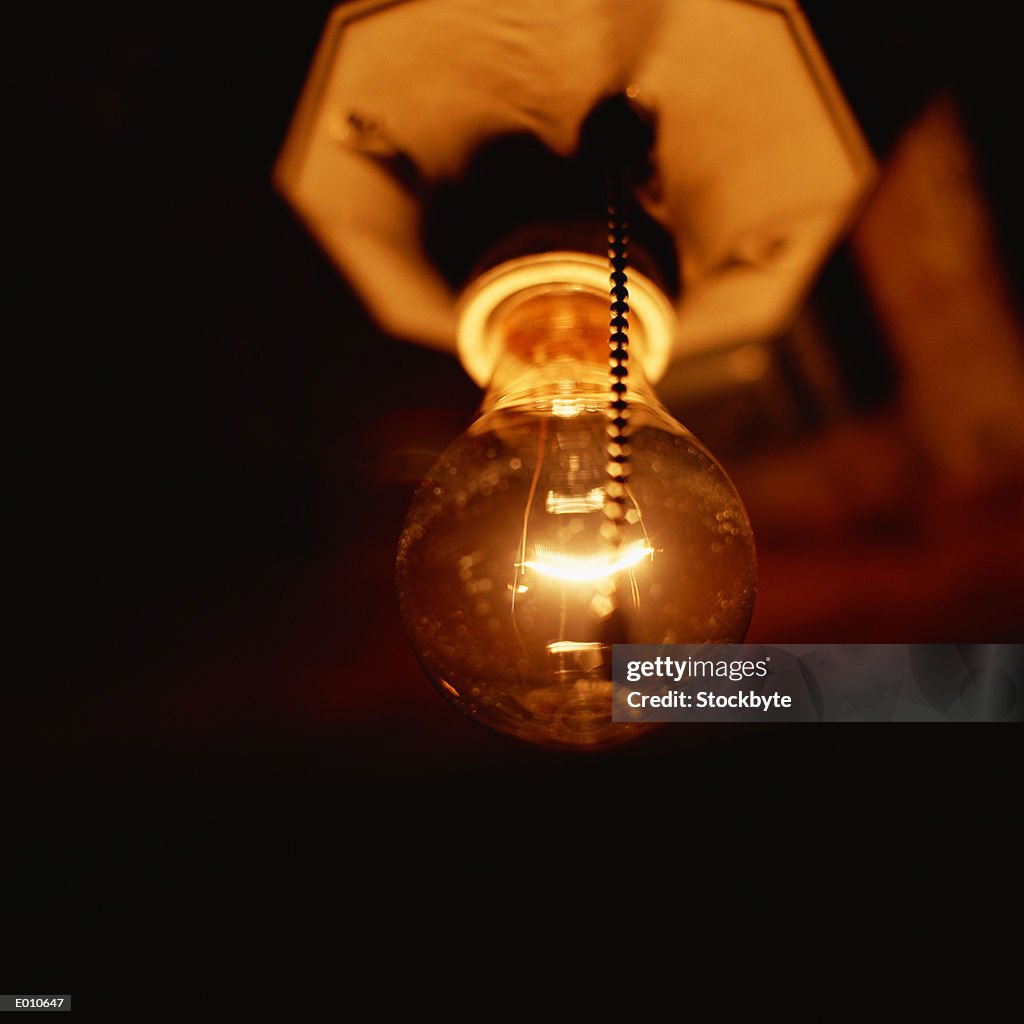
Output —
(618, 449)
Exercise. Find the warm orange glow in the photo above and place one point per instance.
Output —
(586, 568)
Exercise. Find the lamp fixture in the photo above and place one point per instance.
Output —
(574, 513)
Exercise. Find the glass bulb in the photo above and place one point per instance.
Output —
(513, 586)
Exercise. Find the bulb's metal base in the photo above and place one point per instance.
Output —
(480, 335)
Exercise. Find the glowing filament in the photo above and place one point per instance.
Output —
(586, 568)
(574, 647)
(576, 504)
(566, 408)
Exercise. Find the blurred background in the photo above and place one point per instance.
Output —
(214, 449)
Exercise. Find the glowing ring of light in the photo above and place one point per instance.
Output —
(647, 303)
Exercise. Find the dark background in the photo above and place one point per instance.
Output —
(212, 453)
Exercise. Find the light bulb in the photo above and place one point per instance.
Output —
(513, 588)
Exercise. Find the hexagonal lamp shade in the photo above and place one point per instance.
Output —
(758, 162)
